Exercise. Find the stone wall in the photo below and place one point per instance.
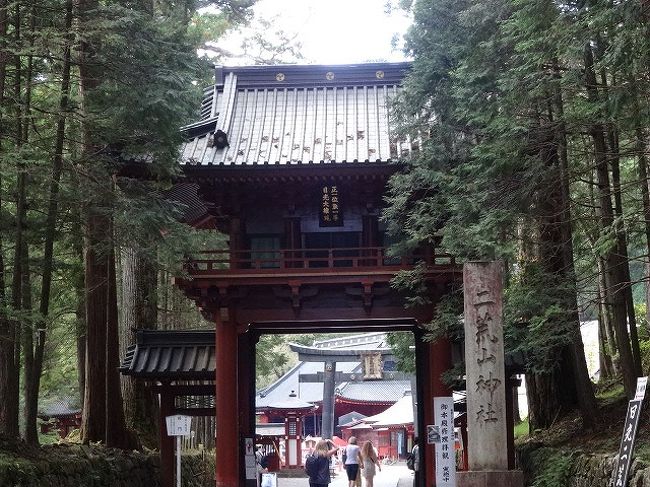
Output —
(555, 467)
(93, 466)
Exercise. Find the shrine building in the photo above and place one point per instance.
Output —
(291, 163)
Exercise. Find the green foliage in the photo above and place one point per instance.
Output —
(272, 358)
(403, 346)
(552, 467)
(537, 319)
(497, 114)
(522, 429)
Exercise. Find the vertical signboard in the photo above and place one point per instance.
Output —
(178, 425)
(331, 214)
(629, 434)
(484, 361)
(443, 408)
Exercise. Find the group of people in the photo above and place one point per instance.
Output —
(355, 459)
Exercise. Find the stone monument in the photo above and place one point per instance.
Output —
(486, 381)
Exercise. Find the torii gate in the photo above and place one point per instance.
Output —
(371, 360)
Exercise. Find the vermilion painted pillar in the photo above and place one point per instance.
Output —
(246, 380)
(166, 441)
(226, 400)
(438, 361)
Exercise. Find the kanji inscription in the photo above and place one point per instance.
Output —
(331, 214)
(484, 362)
(443, 408)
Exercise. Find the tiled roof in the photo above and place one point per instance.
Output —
(362, 391)
(186, 354)
(375, 391)
(190, 206)
(57, 408)
(293, 114)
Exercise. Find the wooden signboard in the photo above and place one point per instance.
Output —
(331, 212)
(629, 435)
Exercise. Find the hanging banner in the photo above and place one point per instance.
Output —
(331, 212)
(629, 434)
(443, 408)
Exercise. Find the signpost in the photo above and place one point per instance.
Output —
(178, 425)
(629, 434)
(443, 408)
(433, 434)
(249, 459)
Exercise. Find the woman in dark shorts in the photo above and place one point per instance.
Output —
(352, 460)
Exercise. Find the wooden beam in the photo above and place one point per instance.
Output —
(186, 390)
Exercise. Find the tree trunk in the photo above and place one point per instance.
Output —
(80, 319)
(584, 388)
(34, 364)
(93, 427)
(604, 359)
(609, 337)
(9, 403)
(16, 287)
(117, 435)
(613, 262)
(621, 237)
(100, 421)
(138, 311)
(542, 394)
(30, 384)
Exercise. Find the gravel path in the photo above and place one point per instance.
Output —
(389, 476)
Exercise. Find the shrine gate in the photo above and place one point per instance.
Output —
(291, 163)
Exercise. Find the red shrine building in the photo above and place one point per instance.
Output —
(291, 163)
(366, 383)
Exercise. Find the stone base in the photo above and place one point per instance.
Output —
(503, 478)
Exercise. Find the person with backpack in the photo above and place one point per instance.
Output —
(415, 453)
(261, 463)
(317, 465)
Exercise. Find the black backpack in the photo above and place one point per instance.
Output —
(410, 461)
(264, 461)
(311, 466)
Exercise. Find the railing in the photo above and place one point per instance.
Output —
(226, 261)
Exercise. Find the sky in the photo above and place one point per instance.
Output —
(332, 31)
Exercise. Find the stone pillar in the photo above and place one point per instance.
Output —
(486, 383)
(226, 399)
(329, 383)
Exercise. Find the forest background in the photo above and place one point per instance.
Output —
(529, 125)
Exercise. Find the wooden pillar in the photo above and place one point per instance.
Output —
(292, 240)
(236, 243)
(369, 231)
(369, 238)
(246, 395)
(434, 359)
(166, 442)
(226, 399)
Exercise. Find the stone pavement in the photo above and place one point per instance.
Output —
(390, 476)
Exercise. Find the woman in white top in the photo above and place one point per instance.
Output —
(352, 460)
